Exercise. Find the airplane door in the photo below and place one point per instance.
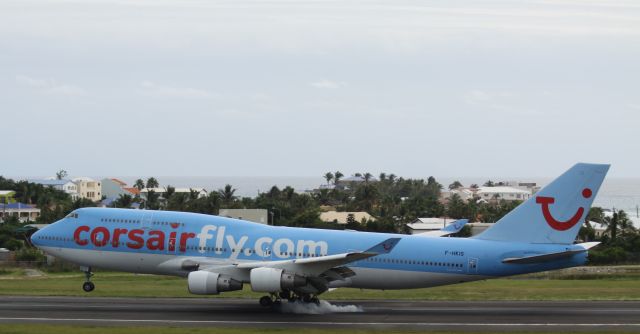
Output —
(266, 250)
(472, 265)
(173, 233)
(147, 219)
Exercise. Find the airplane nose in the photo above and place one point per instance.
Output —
(37, 237)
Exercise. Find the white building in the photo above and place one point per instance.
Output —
(88, 188)
(422, 225)
(63, 185)
(502, 193)
(252, 215)
(465, 194)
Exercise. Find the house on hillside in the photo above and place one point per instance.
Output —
(113, 188)
(67, 186)
(88, 188)
(502, 193)
(24, 212)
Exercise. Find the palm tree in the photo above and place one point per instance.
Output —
(626, 225)
(123, 201)
(612, 225)
(139, 184)
(193, 194)
(337, 176)
(152, 182)
(367, 177)
(227, 194)
(455, 185)
(61, 174)
(328, 176)
(169, 192)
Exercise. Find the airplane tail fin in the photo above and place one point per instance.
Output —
(555, 213)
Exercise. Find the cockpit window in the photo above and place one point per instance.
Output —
(72, 215)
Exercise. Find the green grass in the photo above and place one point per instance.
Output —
(616, 287)
(11, 272)
(64, 329)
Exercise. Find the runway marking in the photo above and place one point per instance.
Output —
(322, 323)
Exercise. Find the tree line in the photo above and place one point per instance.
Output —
(394, 201)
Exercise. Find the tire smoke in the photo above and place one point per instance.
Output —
(324, 307)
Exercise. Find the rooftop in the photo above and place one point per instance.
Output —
(83, 179)
(120, 182)
(18, 205)
(49, 182)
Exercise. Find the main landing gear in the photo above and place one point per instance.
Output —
(87, 286)
(276, 299)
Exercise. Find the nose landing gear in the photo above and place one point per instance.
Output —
(87, 286)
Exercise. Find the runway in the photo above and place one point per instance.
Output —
(487, 316)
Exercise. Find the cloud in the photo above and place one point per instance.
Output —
(328, 84)
(153, 89)
(50, 86)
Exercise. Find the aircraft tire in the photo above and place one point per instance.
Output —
(266, 301)
(88, 286)
(285, 294)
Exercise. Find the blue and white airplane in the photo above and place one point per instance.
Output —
(219, 254)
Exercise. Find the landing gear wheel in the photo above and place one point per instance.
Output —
(285, 294)
(306, 298)
(315, 300)
(88, 286)
(266, 301)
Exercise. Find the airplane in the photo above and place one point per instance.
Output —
(218, 254)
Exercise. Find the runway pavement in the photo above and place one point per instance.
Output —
(434, 315)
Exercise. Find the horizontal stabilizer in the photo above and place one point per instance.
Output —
(452, 228)
(541, 258)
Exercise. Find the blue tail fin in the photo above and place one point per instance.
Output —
(555, 213)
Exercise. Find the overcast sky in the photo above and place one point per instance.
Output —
(298, 88)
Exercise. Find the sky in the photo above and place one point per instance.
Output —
(299, 88)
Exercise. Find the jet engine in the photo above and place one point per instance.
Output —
(273, 280)
(207, 283)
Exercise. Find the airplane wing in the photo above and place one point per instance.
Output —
(319, 271)
(452, 228)
(315, 266)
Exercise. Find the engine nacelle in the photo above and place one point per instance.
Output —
(274, 280)
(207, 283)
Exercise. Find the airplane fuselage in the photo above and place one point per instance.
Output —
(166, 243)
